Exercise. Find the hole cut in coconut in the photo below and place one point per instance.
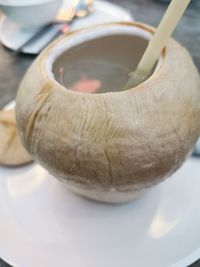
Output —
(98, 60)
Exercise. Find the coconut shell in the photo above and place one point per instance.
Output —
(12, 153)
(112, 146)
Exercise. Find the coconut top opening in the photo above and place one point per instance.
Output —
(98, 60)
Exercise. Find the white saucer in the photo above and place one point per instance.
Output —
(43, 224)
(12, 36)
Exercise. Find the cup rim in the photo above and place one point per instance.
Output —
(16, 3)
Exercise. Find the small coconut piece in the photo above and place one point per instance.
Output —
(12, 153)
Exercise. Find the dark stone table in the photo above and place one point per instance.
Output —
(12, 68)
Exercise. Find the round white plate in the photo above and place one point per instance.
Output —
(43, 224)
(13, 36)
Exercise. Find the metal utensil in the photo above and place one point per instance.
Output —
(78, 9)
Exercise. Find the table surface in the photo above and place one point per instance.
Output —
(12, 67)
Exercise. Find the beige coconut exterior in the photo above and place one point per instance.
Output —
(113, 146)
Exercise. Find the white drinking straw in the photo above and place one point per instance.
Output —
(158, 42)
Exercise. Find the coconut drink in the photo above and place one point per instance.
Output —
(108, 132)
(110, 144)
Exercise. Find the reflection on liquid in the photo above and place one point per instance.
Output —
(26, 182)
(161, 225)
(85, 85)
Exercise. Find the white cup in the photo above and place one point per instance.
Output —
(31, 13)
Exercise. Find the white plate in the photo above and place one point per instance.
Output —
(43, 224)
(13, 36)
